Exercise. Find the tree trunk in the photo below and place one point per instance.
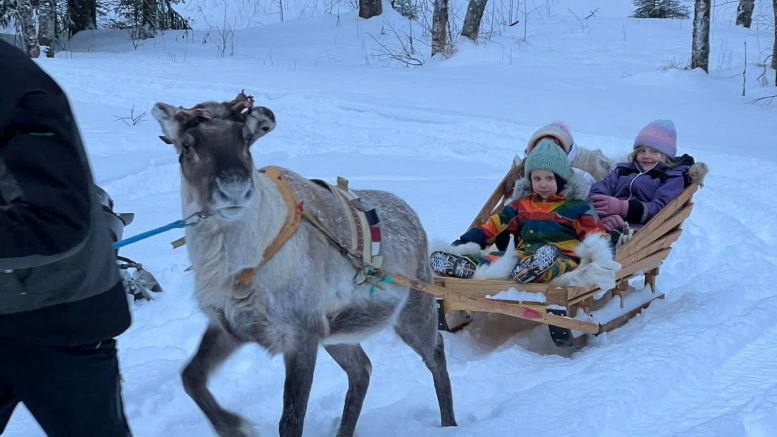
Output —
(82, 15)
(700, 47)
(47, 25)
(370, 8)
(471, 27)
(440, 27)
(774, 47)
(745, 13)
(27, 27)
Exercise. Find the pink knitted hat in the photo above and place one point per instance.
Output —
(660, 135)
(557, 130)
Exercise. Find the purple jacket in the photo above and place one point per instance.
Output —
(647, 192)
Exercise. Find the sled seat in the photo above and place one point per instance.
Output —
(572, 312)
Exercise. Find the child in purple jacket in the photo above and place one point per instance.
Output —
(636, 190)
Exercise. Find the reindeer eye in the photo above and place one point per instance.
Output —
(186, 146)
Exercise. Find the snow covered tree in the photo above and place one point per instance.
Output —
(407, 8)
(27, 28)
(440, 27)
(745, 13)
(471, 27)
(370, 8)
(660, 9)
(700, 46)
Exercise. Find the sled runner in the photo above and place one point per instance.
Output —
(571, 312)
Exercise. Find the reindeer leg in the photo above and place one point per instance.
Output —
(300, 364)
(354, 361)
(417, 326)
(216, 345)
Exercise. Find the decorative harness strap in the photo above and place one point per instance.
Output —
(293, 218)
(365, 235)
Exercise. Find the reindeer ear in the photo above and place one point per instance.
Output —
(259, 122)
(165, 115)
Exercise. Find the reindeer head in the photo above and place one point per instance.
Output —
(212, 140)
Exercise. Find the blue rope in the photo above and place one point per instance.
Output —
(174, 225)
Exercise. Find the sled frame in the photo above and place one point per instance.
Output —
(642, 255)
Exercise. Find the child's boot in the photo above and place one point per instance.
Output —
(446, 264)
(534, 266)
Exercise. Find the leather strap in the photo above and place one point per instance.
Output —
(293, 218)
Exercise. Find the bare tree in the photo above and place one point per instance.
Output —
(700, 46)
(440, 27)
(27, 28)
(471, 27)
(745, 13)
(47, 25)
(370, 8)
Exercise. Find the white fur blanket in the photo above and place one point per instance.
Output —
(597, 265)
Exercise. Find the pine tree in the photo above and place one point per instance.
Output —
(660, 9)
(146, 17)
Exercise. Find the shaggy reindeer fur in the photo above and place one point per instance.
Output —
(303, 296)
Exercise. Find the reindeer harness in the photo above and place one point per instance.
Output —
(364, 247)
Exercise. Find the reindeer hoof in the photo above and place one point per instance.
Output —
(232, 425)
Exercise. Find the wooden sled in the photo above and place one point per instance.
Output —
(572, 312)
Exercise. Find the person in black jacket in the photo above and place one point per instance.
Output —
(61, 298)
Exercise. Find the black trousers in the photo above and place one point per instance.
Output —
(71, 391)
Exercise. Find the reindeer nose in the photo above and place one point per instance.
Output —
(234, 191)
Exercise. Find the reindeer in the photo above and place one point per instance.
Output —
(303, 296)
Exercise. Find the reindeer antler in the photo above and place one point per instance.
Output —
(241, 102)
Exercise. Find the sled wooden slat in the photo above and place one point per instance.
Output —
(658, 232)
(663, 243)
(493, 286)
(499, 307)
(459, 306)
(642, 254)
(496, 200)
(643, 265)
(651, 227)
(668, 211)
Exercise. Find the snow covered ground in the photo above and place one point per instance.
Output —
(699, 363)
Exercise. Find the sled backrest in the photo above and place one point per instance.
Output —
(493, 204)
(652, 243)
